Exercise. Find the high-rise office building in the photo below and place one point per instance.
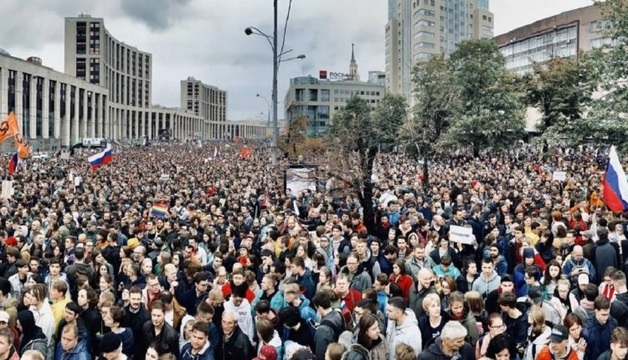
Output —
(419, 29)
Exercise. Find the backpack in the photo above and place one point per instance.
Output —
(336, 329)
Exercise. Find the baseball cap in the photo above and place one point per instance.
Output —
(4, 316)
(583, 279)
(267, 352)
(535, 294)
(559, 333)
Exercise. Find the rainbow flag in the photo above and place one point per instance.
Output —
(159, 211)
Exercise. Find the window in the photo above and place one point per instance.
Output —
(325, 95)
(426, 45)
(425, 23)
(313, 95)
(425, 34)
(425, 12)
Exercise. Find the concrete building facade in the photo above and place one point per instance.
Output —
(319, 100)
(563, 36)
(95, 56)
(418, 29)
(51, 107)
(204, 100)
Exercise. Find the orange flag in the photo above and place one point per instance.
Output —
(7, 129)
(23, 150)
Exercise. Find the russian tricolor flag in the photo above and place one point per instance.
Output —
(13, 163)
(615, 184)
(100, 159)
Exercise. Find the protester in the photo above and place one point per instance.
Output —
(172, 235)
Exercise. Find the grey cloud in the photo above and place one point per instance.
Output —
(158, 15)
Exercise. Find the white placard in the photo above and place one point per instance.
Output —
(7, 189)
(164, 177)
(559, 176)
(461, 234)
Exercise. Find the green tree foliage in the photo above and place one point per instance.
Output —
(491, 114)
(561, 90)
(356, 129)
(607, 119)
(436, 100)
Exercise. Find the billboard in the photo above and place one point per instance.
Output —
(300, 177)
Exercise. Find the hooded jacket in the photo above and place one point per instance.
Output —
(326, 334)
(407, 333)
(305, 281)
(435, 352)
(379, 351)
(416, 298)
(468, 321)
(360, 280)
(485, 286)
(32, 336)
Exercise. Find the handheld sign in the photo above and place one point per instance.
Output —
(559, 176)
(461, 234)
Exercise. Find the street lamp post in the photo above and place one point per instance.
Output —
(267, 103)
(272, 40)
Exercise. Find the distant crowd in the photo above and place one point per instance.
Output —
(188, 252)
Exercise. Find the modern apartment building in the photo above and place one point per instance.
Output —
(563, 36)
(419, 29)
(206, 101)
(95, 56)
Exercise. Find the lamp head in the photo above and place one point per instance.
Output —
(248, 31)
(301, 57)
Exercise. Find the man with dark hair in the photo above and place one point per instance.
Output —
(205, 314)
(72, 316)
(264, 311)
(598, 329)
(298, 330)
(403, 327)
(191, 298)
(79, 267)
(158, 330)
(303, 277)
(19, 279)
(135, 313)
(197, 348)
(516, 322)
(331, 324)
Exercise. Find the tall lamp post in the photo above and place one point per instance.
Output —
(267, 103)
(277, 54)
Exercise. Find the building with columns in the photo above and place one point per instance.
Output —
(52, 108)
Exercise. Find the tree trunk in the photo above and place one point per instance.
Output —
(476, 150)
(367, 160)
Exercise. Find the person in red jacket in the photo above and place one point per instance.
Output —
(401, 278)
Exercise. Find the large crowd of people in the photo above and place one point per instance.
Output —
(187, 252)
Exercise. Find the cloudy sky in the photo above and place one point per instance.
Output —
(205, 38)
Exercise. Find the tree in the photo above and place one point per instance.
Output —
(436, 100)
(356, 130)
(607, 120)
(561, 90)
(289, 142)
(491, 114)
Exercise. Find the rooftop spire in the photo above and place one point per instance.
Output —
(352, 52)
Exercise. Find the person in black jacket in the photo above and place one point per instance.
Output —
(235, 345)
(136, 316)
(450, 344)
(158, 330)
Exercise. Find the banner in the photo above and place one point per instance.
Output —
(7, 130)
(22, 147)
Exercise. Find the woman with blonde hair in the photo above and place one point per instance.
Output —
(433, 320)
(538, 333)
